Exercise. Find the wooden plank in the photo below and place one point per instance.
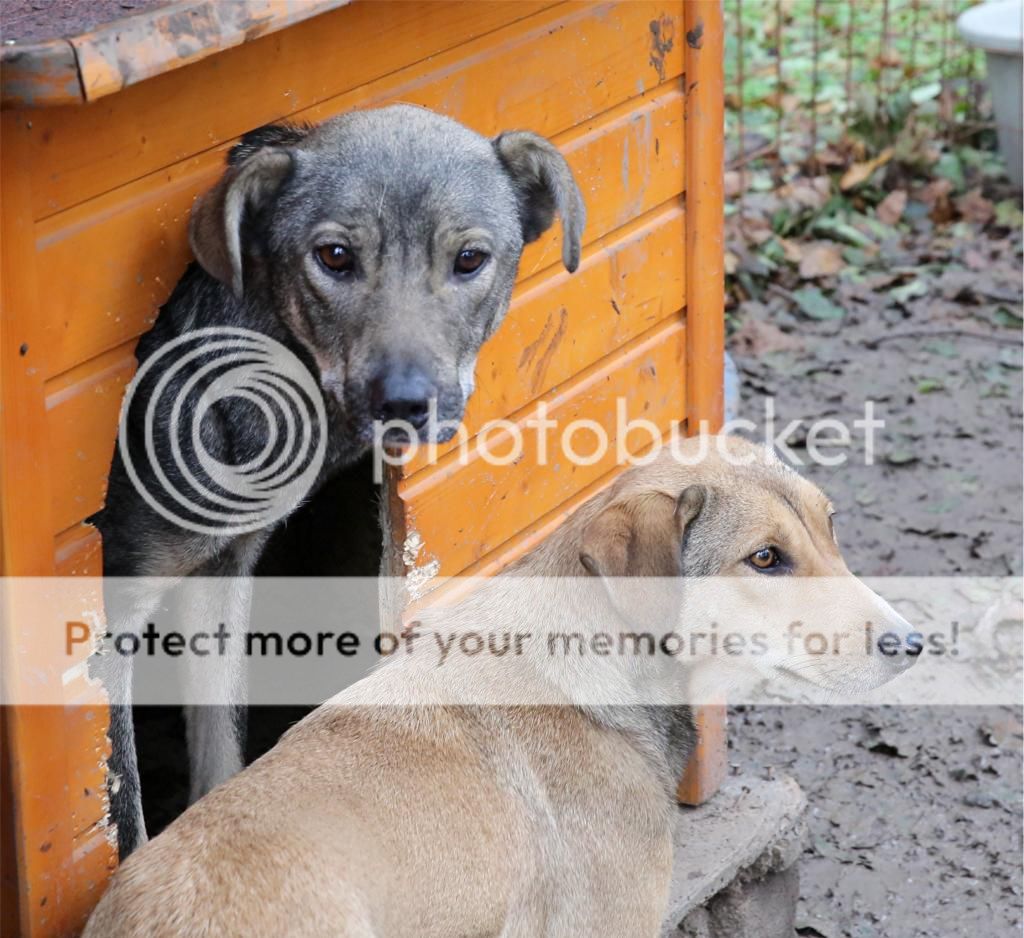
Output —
(560, 323)
(176, 115)
(9, 884)
(626, 163)
(709, 764)
(705, 307)
(119, 257)
(95, 859)
(82, 408)
(34, 736)
(87, 752)
(121, 253)
(705, 221)
(79, 551)
(646, 376)
(39, 74)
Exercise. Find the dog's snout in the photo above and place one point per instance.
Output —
(403, 393)
(895, 638)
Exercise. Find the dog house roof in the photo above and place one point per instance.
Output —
(68, 52)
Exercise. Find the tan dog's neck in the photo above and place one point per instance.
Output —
(718, 532)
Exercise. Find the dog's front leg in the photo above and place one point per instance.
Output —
(128, 607)
(217, 602)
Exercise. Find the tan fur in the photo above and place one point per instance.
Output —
(445, 820)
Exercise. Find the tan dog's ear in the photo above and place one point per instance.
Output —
(215, 229)
(640, 535)
(640, 538)
(543, 184)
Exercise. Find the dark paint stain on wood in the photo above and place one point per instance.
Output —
(615, 306)
(545, 359)
(663, 34)
(526, 356)
(695, 37)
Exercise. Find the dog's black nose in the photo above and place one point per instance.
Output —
(402, 393)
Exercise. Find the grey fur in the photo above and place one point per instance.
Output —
(406, 190)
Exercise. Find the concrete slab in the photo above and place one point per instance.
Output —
(748, 834)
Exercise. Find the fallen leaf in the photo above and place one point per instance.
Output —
(1008, 318)
(928, 385)
(814, 304)
(949, 167)
(974, 207)
(935, 196)
(925, 92)
(732, 262)
(900, 457)
(1008, 214)
(732, 184)
(756, 338)
(810, 193)
(933, 192)
(861, 172)
(909, 291)
(890, 209)
(856, 257)
(975, 260)
(841, 231)
(821, 259)
(792, 251)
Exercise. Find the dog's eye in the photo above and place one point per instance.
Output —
(469, 262)
(336, 258)
(765, 558)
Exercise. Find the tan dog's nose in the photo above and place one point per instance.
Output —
(895, 641)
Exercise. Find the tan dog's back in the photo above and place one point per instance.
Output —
(394, 822)
(371, 818)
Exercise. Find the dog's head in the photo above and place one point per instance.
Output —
(721, 529)
(388, 241)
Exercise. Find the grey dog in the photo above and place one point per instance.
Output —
(380, 249)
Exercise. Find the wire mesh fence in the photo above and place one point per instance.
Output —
(853, 128)
(807, 80)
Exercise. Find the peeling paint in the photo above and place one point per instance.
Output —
(417, 577)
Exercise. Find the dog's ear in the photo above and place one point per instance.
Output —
(269, 135)
(635, 546)
(543, 184)
(215, 228)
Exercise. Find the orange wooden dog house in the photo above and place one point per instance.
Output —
(109, 134)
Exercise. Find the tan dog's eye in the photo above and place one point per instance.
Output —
(765, 558)
(469, 262)
(336, 258)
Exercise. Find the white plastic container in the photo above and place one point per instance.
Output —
(997, 28)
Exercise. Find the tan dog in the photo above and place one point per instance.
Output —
(371, 819)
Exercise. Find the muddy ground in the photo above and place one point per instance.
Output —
(915, 813)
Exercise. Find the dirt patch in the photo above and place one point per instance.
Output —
(915, 813)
